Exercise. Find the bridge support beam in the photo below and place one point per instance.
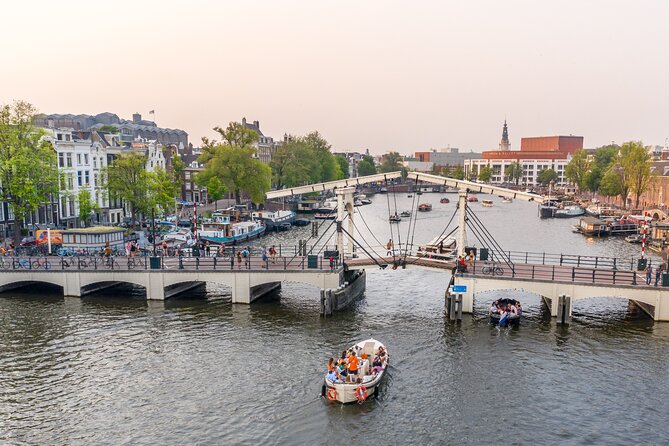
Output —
(155, 287)
(71, 285)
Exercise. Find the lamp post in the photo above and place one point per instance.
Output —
(153, 229)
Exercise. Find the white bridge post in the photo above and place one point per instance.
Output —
(462, 214)
(344, 204)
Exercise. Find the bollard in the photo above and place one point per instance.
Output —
(564, 310)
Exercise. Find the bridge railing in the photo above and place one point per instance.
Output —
(556, 273)
(543, 258)
(193, 263)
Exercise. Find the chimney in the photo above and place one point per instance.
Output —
(244, 122)
(285, 137)
(257, 124)
(136, 117)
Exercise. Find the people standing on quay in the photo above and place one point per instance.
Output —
(658, 273)
(649, 274)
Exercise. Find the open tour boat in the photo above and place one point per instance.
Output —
(372, 359)
(505, 312)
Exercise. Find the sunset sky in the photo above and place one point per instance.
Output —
(383, 75)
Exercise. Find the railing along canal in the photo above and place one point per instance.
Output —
(190, 263)
(556, 273)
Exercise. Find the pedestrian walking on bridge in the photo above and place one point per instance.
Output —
(649, 274)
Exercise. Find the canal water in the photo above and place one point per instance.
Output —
(116, 369)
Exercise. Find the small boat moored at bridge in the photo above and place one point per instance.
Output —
(372, 359)
(504, 312)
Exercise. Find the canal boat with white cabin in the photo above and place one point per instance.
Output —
(221, 230)
(372, 359)
(275, 220)
(486, 203)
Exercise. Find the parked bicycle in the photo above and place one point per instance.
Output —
(42, 263)
(111, 263)
(493, 270)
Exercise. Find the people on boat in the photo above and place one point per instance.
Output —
(272, 253)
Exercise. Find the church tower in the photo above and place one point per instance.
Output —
(504, 143)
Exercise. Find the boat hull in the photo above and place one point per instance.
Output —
(345, 392)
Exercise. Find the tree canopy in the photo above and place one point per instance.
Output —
(546, 176)
(87, 206)
(366, 166)
(128, 179)
(28, 166)
(485, 174)
(233, 162)
(514, 171)
(392, 162)
(577, 169)
(304, 160)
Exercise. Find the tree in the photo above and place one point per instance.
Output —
(294, 164)
(485, 174)
(604, 158)
(108, 129)
(458, 173)
(392, 162)
(127, 178)
(215, 189)
(636, 164)
(343, 165)
(514, 171)
(546, 176)
(577, 169)
(87, 206)
(610, 184)
(233, 162)
(28, 164)
(163, 189)
(329, 169)
(366, 166)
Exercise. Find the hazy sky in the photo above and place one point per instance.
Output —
(401, 75)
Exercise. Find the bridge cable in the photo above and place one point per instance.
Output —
(399, 236)
(363, 248)
(363, 238)
(369, 229)
(413, 218)
(390, 223)
(486, 237)
(455, 212)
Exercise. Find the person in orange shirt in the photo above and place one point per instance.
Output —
(352, 365)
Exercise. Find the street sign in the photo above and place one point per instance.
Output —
(459, 288)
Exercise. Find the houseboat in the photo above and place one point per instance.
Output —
(593, 226)
(95, 238)
(569, 211)
(274, 220)
(221, 230)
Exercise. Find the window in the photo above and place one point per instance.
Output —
(67, 137)
(86, 159)
(61, 160)
(80, 178)
(70, 182)
(68, 159)
(87, 178)
(60, 137)
(78, 159)
(95, 163)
